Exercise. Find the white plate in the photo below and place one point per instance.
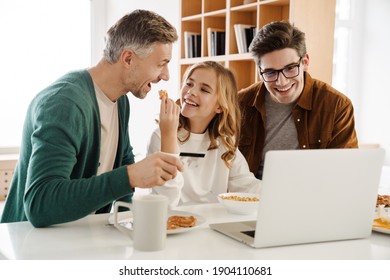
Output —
(382, 230)
(199, 221)
(125, 218)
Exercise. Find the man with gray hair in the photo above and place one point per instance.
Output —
(76, 157)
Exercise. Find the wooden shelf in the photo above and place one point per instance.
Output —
(312, 17)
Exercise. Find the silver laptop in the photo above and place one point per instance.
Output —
(313, 196)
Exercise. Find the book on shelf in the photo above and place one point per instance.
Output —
(216, 41)
(192, 44)
(244, 35)
(250, 33)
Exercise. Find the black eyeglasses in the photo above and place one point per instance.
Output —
(288, 72)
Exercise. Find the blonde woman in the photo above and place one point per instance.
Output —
(203, 130)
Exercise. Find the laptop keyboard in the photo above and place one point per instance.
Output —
(251, 233)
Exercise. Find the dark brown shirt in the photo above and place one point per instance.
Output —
(324, 119)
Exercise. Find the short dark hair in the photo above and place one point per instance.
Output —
(139, 31)
(277, 35)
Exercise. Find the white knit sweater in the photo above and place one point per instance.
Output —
(204, 178)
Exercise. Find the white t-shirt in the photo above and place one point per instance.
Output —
(204, 178)
(109, 131)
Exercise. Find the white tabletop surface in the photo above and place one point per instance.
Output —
(91, 238)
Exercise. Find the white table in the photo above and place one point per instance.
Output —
(91, 238)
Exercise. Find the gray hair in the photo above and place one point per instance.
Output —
(138, 31)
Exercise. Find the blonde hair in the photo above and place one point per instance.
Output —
(225, 125)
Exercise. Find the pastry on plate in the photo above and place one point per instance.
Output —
(175, 222)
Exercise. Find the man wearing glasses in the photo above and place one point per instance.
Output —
(288, 109)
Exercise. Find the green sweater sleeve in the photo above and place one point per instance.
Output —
(61, 185)
(55, 180)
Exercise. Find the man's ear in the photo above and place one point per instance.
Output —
(126, 56)
(306, 62)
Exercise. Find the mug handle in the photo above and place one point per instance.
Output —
(120, 227)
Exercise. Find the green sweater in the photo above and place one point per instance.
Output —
(55, 179)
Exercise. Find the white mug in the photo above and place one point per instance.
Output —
(149, 231)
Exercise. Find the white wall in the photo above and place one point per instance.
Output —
(368, 58)
(374, 113)
(38, 45)
(143, 112)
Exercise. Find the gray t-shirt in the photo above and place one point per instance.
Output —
(280, 130)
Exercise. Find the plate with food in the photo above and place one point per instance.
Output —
(181, 221)
(178, 221)
(382, 221)
(240, 203)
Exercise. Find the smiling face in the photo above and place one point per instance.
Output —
(284, 90)
(199, 99)
(144, 71)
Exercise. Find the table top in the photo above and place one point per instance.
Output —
(92, 238)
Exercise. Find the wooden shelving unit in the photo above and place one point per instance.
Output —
(315, 18)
